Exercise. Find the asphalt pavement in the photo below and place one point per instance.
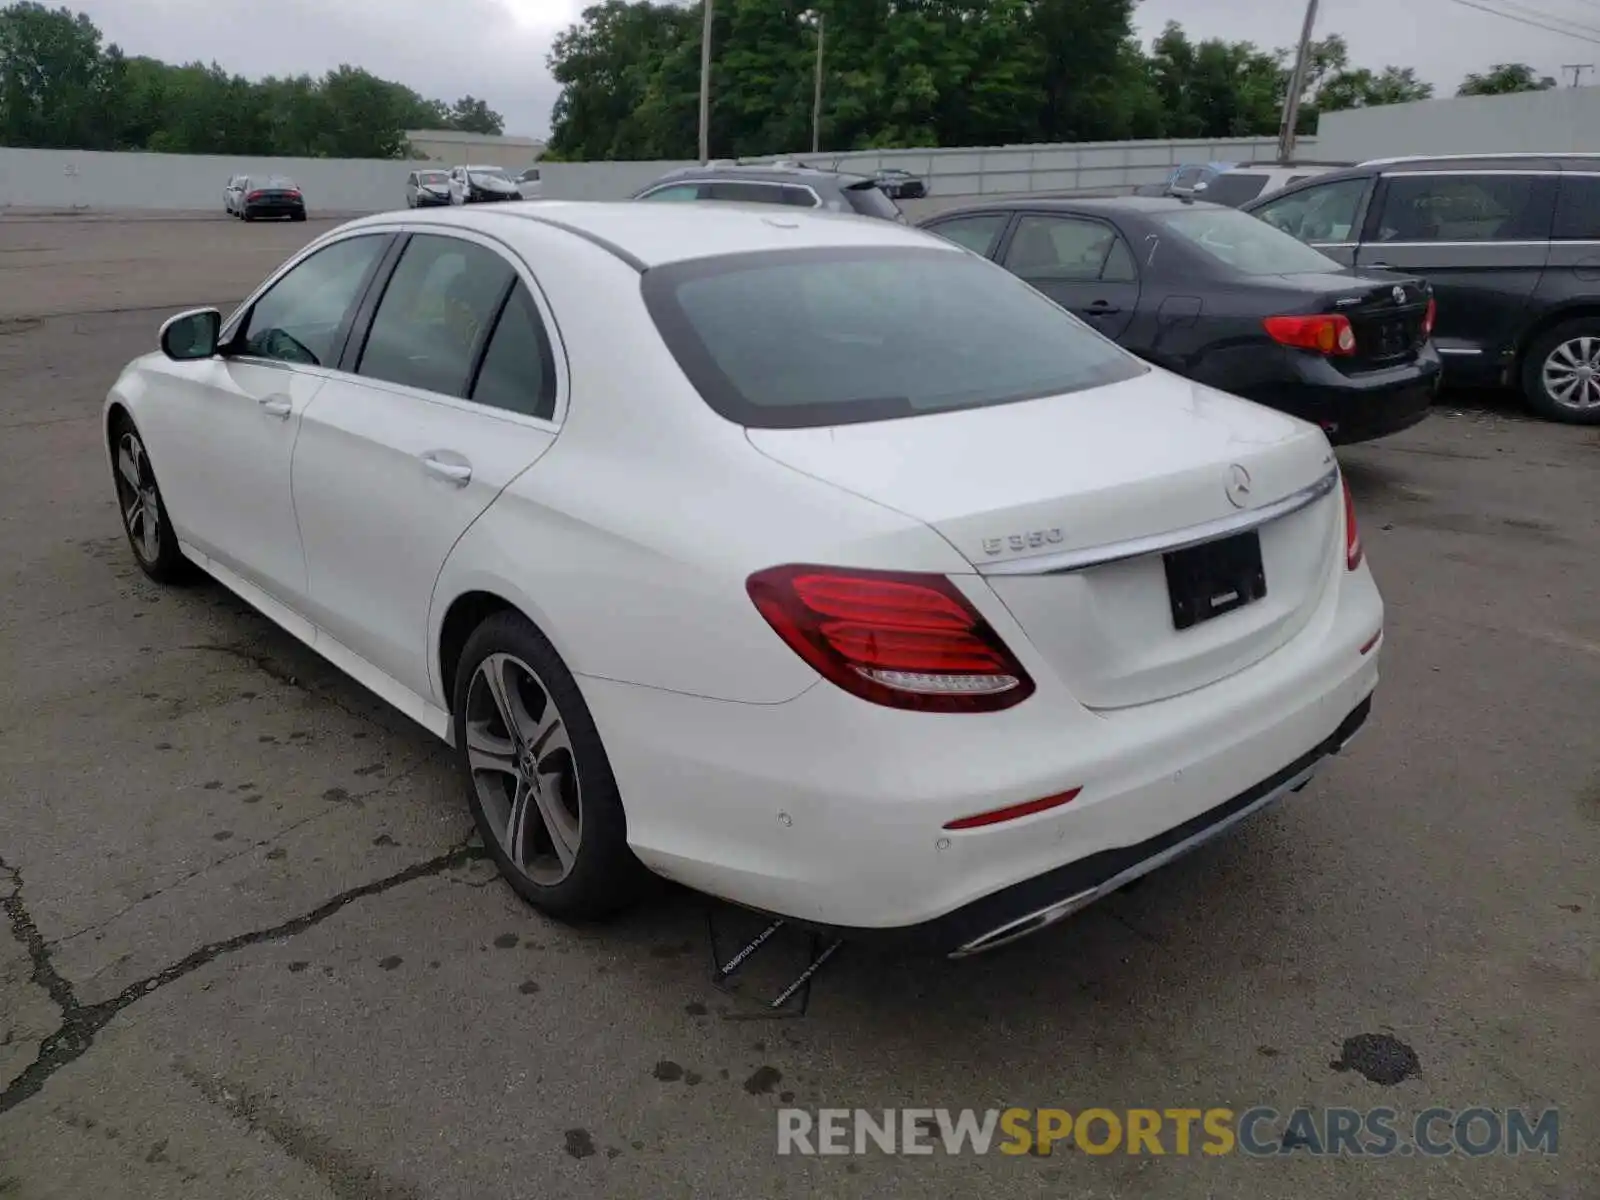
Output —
(249, 948)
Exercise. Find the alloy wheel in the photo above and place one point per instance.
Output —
(1571, 374)
(139, 498)
(520, 755)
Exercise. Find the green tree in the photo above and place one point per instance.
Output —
(1503, 78)
(1362, 88)
(53, 78)
(471, 115)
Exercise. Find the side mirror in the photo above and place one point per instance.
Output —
(191, 335)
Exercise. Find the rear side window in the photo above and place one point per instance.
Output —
(1465, 208)
(678, 192)
(435, 313)
(868, 200)
(978, 233)
(519, 370)
(1065, 248)
(1578, 209)
(1234, 188)
(801, 338)
(745, 193)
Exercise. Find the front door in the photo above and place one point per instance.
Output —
(1081, 263)
(1481, 238)
(453, 396)
(232, 420)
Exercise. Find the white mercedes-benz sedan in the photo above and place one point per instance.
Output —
(808, 560)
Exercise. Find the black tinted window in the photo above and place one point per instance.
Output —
(300, 319)
(1249, 246)
(799, 197)
(519, 370)
(1069, 248)
(1233, 188)
(977, 233)
(746, 193)
(1188, 177)
(434, 314)
(1325, 212)
(1578, 208)
(786, 339)
(869, 201)
(1465, 208)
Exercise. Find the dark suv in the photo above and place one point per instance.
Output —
(793, 186)
(1511, 244)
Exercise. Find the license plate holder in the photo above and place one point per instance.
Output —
(1213, 578)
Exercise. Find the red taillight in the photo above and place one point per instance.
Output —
(1352, 535)
(895, 638)
(1323, 332)
(1010, 813)
(1428, 318)
(254, 195)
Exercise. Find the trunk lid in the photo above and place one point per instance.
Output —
(1082, 472)
(1385, 311)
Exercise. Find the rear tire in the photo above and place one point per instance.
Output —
(1561, 373)
(143, 511)
(538, 781)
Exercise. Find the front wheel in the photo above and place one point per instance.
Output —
(144, 515)
(538, 781)
(1561, 373)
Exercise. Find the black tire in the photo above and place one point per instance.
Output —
(602, 877)
(299, 216)
(1559, 350)
(246, 215)
(161, 560)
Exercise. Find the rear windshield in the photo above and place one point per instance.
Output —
(1245, 243)
(278, 181)
(869, 200)
(1233, 188)
(800, 338)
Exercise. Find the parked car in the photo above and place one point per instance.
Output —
(1188, 176)
(276, 196)
(1241, 184)
(775, 183)
(427, 189)
(543, 481)
(1213, 294)
(481, 185)
(529, 184)
(233, 193)
(900, 185)
(1511, 244)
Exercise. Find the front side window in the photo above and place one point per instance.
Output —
(977, 233)
(1464, 208)
(799, 338)
(677, 193)
(435, 312)
(1239, 241)
(1324, 213)
(301, 318)
(1064, 248)
(519, 369)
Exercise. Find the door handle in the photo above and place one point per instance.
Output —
(1380, 266)
(1103, 308)
(457, 472)
(277, 406)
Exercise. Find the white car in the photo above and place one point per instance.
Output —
(481, 185)
(529, 184)
(806, 559)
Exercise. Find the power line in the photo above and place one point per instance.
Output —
(1539, 14)
(1528, 21)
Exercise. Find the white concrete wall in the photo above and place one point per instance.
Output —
(1558, 120)
(600, 180)
(69, 180)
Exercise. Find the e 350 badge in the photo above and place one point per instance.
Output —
(1032, 540)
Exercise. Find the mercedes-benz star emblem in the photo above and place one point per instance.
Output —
(1238, 486)
(1399, 294)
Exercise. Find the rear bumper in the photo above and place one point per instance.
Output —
(1355, 408)
(275, 210)
(831, 811)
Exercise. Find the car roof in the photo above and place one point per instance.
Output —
(1144, 205)
(762, 172)
(1517, 161)
(651, 235)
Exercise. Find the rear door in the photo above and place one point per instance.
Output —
(455, 392)
(1080, 262)
(1481, 237)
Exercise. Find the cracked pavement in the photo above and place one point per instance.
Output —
(248, 951)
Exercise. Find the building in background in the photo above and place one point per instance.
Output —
(453, 148)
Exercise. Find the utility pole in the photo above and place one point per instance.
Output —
(1297, 84)
(705, 85)
(1577, 69)
(816, 100)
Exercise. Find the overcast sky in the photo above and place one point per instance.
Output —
(496, 49)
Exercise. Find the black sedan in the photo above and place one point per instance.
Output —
(1227, 300)
(277, 197)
